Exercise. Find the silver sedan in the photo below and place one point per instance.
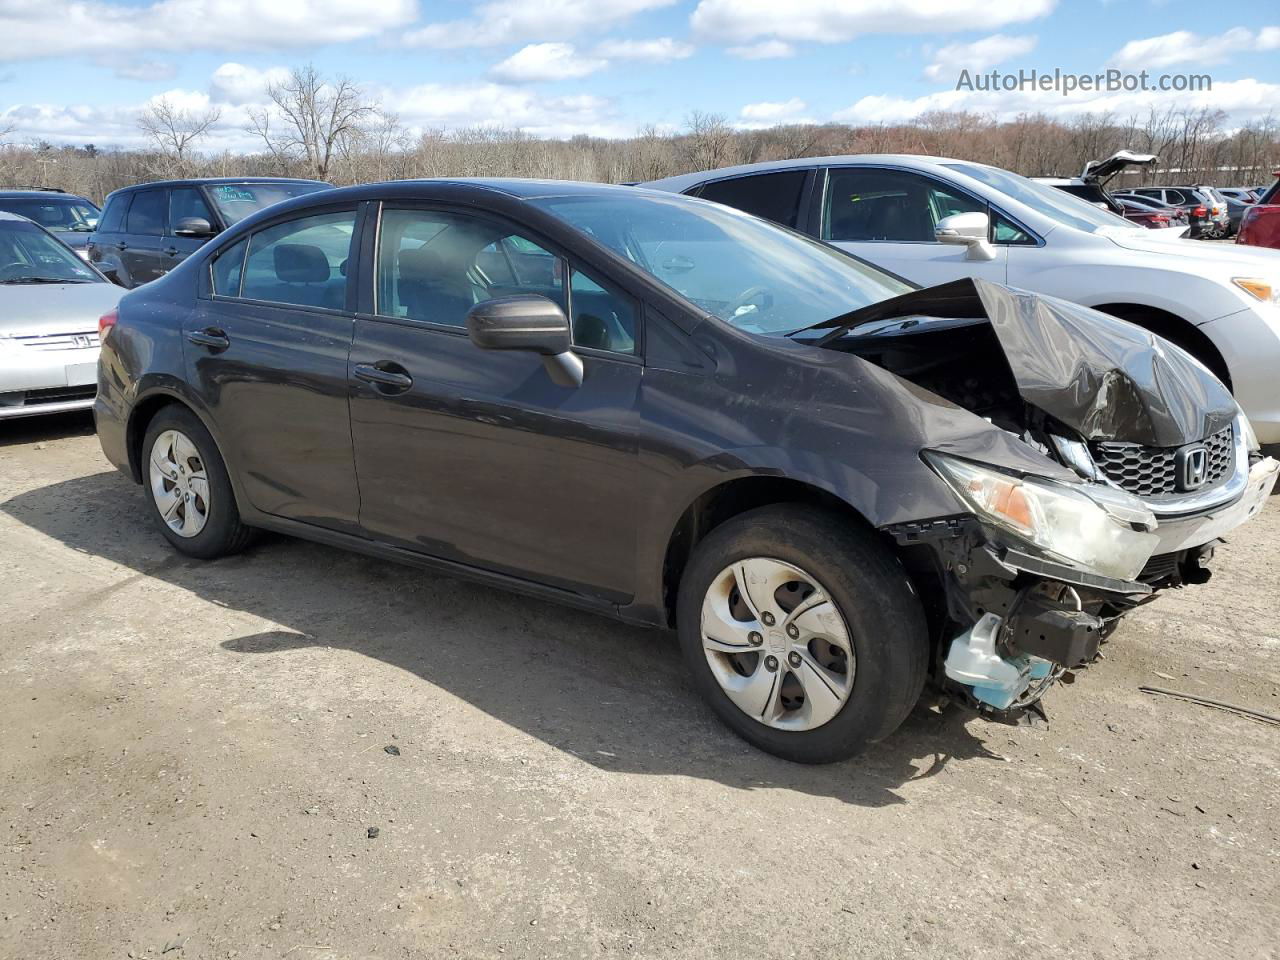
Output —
(50, 302)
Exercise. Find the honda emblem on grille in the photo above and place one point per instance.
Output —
(1193, 467)
(80, 341)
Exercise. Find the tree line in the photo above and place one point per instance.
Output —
(328, 129)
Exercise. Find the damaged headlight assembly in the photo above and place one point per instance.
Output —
(1100, 529)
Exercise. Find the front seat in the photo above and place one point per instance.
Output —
(429, 289)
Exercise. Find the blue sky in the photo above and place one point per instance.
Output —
(79, 72)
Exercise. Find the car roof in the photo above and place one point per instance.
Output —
(197, 181)
(914, 160)
(20, 194)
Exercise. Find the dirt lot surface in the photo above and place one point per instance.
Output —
(194, 754)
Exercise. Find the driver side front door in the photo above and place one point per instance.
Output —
(476, 456)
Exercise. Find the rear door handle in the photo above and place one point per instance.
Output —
(121, 245)
(171, 251)
(210, 337)
(385, 373)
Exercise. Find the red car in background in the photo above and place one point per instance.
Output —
(1260, 225)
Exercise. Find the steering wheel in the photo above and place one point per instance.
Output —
(748, 296)
(11, 271)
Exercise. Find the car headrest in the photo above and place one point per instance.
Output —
(301, 263)
(418, 263)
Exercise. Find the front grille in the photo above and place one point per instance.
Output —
(1154, 471)
(59, 341)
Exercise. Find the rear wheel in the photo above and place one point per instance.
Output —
(802, 632)
(188, 488)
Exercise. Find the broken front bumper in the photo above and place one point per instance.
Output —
(1031, 620)
(1182, 533)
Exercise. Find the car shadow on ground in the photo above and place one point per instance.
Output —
(614, 696)
(48, 427)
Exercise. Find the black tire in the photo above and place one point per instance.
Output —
(223, 533)
(884, 618)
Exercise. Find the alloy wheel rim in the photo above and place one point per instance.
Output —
(777, 644)
(179, 483)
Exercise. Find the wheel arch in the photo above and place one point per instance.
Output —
(144, 410)
(1175, 328)
(723, 502)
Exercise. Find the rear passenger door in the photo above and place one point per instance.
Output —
(141, 247)
(266, 350)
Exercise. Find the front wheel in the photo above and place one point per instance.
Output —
(802, 632)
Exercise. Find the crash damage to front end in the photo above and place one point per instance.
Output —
(1037, 569)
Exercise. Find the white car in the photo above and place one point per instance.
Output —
(932, 220)
(50, 302)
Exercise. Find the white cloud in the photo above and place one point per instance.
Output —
(1239, 99)
(839, 21)
(1183, 46)
(31, 29)
(434, 106)
(150, 70)
(979, 55)
(235, 83)
(521, 21)
(773, 111)
(764, 50)
(545, 61)
(659, 50)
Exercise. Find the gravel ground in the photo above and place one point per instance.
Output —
(195, 754)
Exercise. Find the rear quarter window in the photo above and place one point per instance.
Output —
(113, 216)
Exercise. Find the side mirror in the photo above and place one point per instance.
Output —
(530, 323)
(193, 227)
(969, 230)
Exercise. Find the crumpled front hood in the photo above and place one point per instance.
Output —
(42, 308)
(1103, 377)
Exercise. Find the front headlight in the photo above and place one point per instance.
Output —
(1246, 428)
(1263, 290)
(1099, 528)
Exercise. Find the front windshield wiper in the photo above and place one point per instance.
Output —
(47, 280)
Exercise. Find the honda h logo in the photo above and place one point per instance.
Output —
(80, 341)
(1193, 467)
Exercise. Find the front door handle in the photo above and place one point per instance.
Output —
(210, 337)
(171, 251)
(384, 374)
(121, 245)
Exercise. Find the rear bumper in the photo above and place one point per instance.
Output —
(111, 420)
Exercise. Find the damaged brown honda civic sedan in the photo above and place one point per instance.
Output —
(836, 488)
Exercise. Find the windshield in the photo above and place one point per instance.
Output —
(235, 201)
(60, 216)
(1049, 201)
(746, 271)
(29, 255)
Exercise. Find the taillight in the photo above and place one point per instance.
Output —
(106, 322)
(1159, 218)
(1198, 211)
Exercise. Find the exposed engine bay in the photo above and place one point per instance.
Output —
(1155, 440)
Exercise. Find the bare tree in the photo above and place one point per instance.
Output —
(311, 118)
(175, 131)
(709, 141)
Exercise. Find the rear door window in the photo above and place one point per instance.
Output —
(300, 262)
(772, 196)
(113, 216)
(147, 213)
